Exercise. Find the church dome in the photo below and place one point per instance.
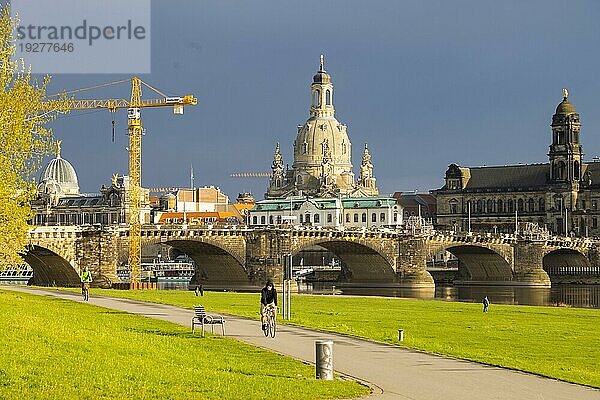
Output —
(564, 107)
(314, 134)
(59, 177)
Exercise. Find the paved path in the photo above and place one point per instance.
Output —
(400, 373)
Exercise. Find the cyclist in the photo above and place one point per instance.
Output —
(268, 300)
(86, 279)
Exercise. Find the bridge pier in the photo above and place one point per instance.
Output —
(529, 264)
(411, 269)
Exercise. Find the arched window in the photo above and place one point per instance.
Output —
(271, 220)
(373, 217)
(263, 220)
(307, 218)
(301, 218)
(328, 97)
(254, 220)
(395, 217)
(305, 148)
(355, 217)
(329, 218)
(511, 206)
(316, 98)
(520, 205)
(531, 205)
(479, 206)
(364, 217)
(576, 170)
(382, 217)
(347, 217)
(490, 206)
(542, 204)
(500, 208)
(316, 219)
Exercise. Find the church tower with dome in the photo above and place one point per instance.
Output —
(322, 164)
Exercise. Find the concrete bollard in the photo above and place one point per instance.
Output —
(400, 335)
(324, 359)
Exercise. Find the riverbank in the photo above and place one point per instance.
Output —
(557, 342)
(58, 349)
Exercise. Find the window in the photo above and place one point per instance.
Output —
(520, 205)
(531, 205)
(316, 219)
(490, 206)
(395, 217)
(364, 217)
(329, 218)
(382, 217)
(576, 170)
(316, 99)
(271, 220)
(301, 218)
(347, 217)
(594, 222)
(328, 97)
(583, 204)
(511, 206)
(263, 220)
(542, 204)
(307, 218)
(373, 217)
(479, 206)
(355, 217)
(304, 151)
(500, 208)
(453, 207)
(594, 204)
(279, 219)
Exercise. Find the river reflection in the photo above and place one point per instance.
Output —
(587, 296)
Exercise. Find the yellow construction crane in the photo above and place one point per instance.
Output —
(133, 107)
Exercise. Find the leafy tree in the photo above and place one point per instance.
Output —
(24, 141)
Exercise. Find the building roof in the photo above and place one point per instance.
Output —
(529, 175)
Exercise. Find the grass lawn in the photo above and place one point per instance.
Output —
(58, 349)
(562, 343)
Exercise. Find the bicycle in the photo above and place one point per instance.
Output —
(86, 291)
(271, 324)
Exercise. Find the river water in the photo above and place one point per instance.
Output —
(565, 295)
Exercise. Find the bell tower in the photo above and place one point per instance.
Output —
(565, 153)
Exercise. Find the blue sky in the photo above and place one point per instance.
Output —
(425, 83)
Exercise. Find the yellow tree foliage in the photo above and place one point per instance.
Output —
(24, 141)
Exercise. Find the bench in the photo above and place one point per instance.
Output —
(202, 318)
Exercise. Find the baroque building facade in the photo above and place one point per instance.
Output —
(322, 164)
(59, 201)
(562, 195)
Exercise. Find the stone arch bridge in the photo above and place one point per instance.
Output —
(242, 257)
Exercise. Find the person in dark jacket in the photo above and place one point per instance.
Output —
(486, 304)
(268, 299)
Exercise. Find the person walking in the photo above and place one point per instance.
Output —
(486, 304)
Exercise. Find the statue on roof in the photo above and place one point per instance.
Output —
(565, 93)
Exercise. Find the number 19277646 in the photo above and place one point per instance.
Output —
(46, 47)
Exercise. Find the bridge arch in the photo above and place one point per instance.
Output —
(566, 261)
(49, 268)
(361, 262)
(217, 265)
(480, 263)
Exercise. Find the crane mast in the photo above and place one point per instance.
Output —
(135, 181)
